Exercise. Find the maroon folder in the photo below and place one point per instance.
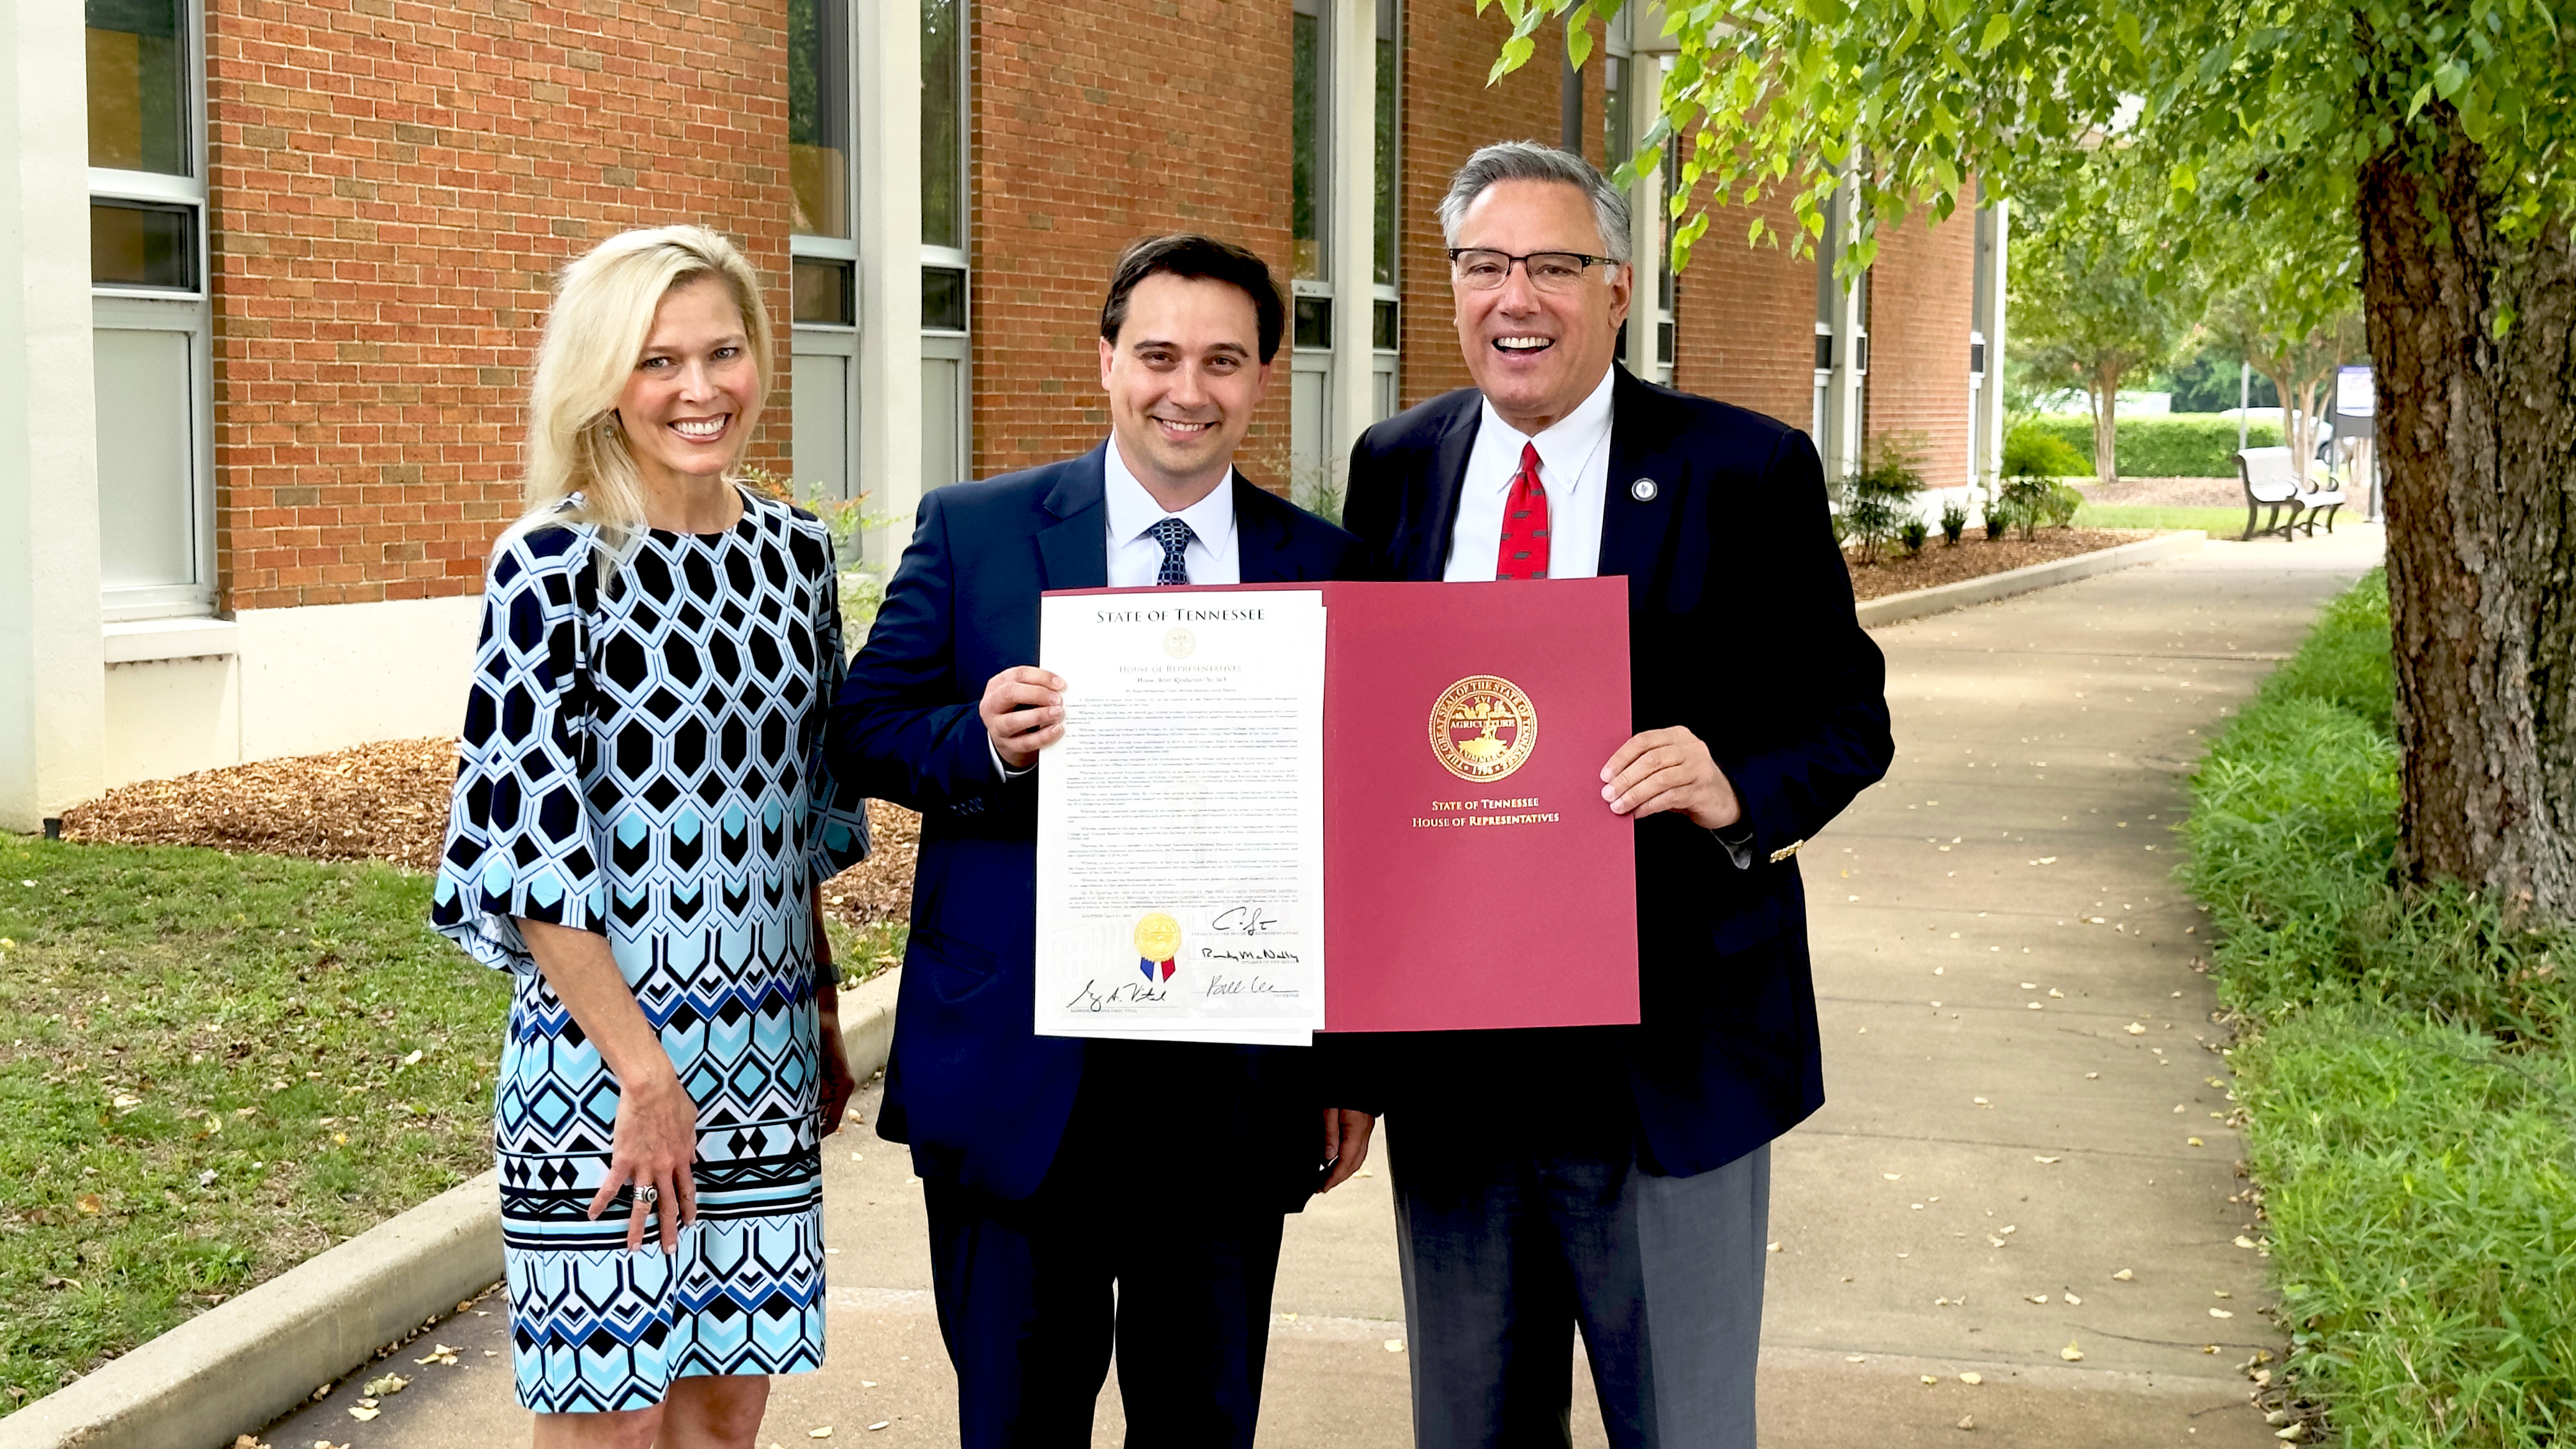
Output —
(1473, 875)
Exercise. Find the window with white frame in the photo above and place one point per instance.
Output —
(1310, 332)
(1984, 286)
(1386, 323)
(1631, 85)
(947, 390)
(149, 308)
(823, 247)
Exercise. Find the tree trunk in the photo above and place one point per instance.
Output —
(2473, 334)
(2106, 421)
(2298, 423)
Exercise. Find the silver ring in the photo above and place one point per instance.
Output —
(648, 1194)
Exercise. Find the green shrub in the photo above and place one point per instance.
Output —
(1879, 499)
(2406, 1067)
(2031, 450)
(1954, 522)
(1914, 535)
(2184, 445)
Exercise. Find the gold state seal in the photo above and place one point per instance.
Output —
(1483, 728)
(1158, 941)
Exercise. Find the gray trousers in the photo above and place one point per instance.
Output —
(1509, 1247)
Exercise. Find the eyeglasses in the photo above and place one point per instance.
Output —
(1482, 269)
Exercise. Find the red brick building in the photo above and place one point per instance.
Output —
(320, 241)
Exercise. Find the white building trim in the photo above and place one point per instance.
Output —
(53, 698)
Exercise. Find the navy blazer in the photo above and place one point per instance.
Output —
(983, 1099)
(1741, 629)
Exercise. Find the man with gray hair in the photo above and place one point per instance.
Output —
(1627, 1190)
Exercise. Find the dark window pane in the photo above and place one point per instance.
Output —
(1384, 332)
(943, 299)
(1388, 59)
(818, 116)
(136, 244)
(1306, 149)
(1976, 357)
(1314, 321)
(138, 86)
(943, 104)
(1664, 343)
(1824, 352)
(824, 292)
(1615, 140)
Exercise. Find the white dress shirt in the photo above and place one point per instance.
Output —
(1135, 557)
(1573, 463)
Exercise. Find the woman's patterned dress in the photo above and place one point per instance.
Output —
(644, 758)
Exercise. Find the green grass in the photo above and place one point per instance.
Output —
(216, 1066)
(2216, 522)
(2408, 1071)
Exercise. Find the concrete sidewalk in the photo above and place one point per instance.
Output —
(1989, 925)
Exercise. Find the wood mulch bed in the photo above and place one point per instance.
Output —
(388, 802)
(1975, 556)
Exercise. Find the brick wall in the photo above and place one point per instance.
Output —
(394, 184)
(1922, 295)
(1745, 315)
(1449, 111)
(1096, 123)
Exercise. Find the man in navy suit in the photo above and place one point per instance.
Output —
(1626, 1190)
(1055, 1169)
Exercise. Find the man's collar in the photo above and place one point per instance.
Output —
(1132, 510)
(1564, 445)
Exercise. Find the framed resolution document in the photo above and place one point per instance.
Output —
(1279, 809)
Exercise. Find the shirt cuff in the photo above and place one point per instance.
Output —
(1738, 840)
(1006, 772)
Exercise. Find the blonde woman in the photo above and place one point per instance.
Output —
(641, 821)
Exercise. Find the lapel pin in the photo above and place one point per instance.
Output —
(1643, 490)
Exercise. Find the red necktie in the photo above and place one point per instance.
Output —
(1524, 549)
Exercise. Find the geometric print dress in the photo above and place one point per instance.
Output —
(644, 758)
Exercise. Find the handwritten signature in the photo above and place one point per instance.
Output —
(1243, 921)
(1248, 954)
(1255, 986)
(1092, 998)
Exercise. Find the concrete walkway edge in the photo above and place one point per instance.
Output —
(244, 1363)
(1915, 603)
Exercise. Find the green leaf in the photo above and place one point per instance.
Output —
(2423, 93)
(2124, 23)
(1996, 29)
(2448, 77)
(1578, 43)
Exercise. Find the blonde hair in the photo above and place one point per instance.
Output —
(595, 335)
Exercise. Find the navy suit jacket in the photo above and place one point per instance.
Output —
(983, 1099)
(1741, 629)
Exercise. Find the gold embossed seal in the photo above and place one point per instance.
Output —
(1483, 728)
(1158, 940)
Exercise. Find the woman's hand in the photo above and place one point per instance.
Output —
(657, 1123)
(838, 1084)
(657, 1139)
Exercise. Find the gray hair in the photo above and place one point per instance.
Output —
(1530, 161)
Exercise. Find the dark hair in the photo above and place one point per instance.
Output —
(1199, 258)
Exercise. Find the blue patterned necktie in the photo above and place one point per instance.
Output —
(1174, 535)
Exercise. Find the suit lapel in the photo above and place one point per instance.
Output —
(1633, 528)
(1428, 555)
(1260, 536)
(1073, 552)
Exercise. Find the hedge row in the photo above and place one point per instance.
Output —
(2168, 447)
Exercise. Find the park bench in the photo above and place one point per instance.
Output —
(2269, 483)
